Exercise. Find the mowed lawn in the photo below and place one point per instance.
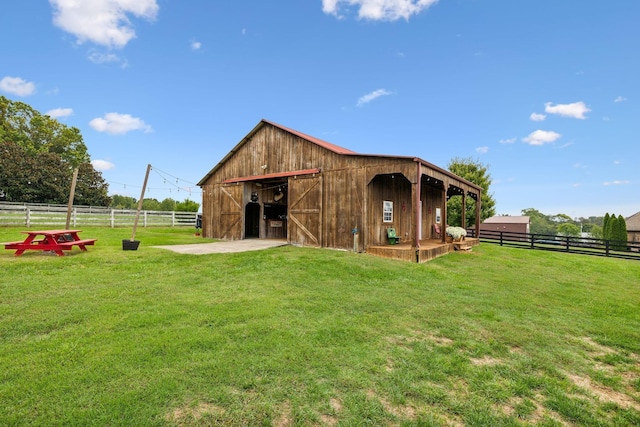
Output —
(304, 336)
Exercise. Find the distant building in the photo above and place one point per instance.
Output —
(511, 224)
(633, 228)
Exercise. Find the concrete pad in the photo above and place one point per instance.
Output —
(227, 246)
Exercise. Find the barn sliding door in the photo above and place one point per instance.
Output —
(230, 204)
(305, 211)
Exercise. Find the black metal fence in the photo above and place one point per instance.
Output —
(576, 245)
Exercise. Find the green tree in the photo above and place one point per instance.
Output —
(477, 173)
(596, 232)
(119, 201)
(38, 157)
(614, 233)
(168, 205)
(606, 227)
(151, 205)
(33, 178)
(43, 177)
(540, 223)
(622, 231)
(38, 133)
(187, 206)
(569, 229)
(91, 189)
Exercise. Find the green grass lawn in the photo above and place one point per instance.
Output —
(303, 336)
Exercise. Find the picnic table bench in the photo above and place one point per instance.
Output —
(50, 240)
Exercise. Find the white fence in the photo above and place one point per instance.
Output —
(36, 215)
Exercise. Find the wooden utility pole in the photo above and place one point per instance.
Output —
(72, 194)
(144, 186)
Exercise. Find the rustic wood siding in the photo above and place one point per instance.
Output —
(333, 195)
(305, 211)
(431, 200)
(397, 189)
(344, 199)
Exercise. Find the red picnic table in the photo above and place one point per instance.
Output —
(50, 240)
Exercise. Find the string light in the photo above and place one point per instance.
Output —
(167, 181)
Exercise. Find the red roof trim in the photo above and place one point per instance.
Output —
(271, 176)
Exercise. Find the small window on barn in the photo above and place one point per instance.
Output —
(387, 211)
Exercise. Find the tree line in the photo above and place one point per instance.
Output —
(168, 204)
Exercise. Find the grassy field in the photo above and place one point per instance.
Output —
(303, 336)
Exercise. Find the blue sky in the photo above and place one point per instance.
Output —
(545, 92)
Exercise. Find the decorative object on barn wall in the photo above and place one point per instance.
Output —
(279, 194)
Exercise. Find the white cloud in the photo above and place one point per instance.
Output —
(577, 110)
(195, 45)
(508, 141)
(104, 22)
(537, 117)
(371, 96)
(541, 137)
(105, 58)
(59, 112)
(102, 165)
(616, 182)
(482, 150)
(620, 99)
(117, 124)
(17, 86)
(378, 10)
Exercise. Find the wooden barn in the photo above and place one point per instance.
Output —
(279, 183)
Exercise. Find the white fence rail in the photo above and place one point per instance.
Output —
(35, 215)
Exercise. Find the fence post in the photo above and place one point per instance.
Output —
(173, 218)
(145, 219)
(112, 219)
(28, 218)
(531, 236)
(501, 238)
(74, 216)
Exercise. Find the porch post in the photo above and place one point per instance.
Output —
(443, 232)
(464, 211)
(478, 210)
(417, 207)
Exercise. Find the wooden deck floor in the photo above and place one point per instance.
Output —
(429, 249)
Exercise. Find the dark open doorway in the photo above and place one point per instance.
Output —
(252, 221)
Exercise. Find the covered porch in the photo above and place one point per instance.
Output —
(411, 200)
(429, 249)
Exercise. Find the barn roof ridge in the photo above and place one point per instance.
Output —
(324, 144)
(328, 145)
